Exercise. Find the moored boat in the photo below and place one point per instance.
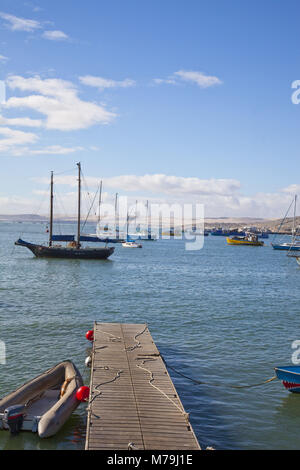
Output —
(68, 252)
(248, 239)
(290, 377)
(286, 246)
(74, 249)
(129, 244)
(43, 404)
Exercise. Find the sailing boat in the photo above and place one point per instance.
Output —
(130, 243)
(294, 245)
(73, 250)
(146, 234)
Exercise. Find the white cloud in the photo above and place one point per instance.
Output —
(173, 185)
(13, 138)
(220, 197)
(50, 150)
(169, 81)
(292, 189)
(198, 78)
(20, 122)
(20, 24)
(59, 102)
(160, 184)
(55, 35)
(101, 83)
(3, 58)
(202, 80)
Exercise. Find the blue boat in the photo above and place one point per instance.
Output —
(226, 233)
(286, 247)
(290, 377)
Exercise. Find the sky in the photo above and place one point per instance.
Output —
(189, 101)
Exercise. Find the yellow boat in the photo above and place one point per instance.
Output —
(251, 240)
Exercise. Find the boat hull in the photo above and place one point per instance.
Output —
(41, 251)
(286, 247)
(290, 377)
(231, 241)
(46, 411)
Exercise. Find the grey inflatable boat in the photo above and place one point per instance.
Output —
(44, 404)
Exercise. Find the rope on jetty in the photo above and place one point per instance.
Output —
(138, 344)
(140, 366)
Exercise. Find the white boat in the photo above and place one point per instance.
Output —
(43, 404)
(132, 245)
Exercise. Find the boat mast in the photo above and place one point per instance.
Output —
(127, 231)
(294, 223)
(100, 201)
(79, 206)
(51, 210)
(116, 217)
(148, 221)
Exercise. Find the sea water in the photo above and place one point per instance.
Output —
(224, 315)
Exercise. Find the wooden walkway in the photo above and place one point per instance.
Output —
(126, 406)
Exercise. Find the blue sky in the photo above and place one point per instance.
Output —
(198, 92)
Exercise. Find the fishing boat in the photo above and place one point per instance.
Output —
(73, 250)
(43, 404)
(290, 377)
(249, 239)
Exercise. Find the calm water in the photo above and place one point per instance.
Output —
(223, 314)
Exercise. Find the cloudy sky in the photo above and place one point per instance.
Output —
(173, 101)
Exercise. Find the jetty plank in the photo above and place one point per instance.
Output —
(132, 398)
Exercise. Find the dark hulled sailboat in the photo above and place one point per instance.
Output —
(74, 250)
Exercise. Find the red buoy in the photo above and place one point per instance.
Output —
(83, 393)
(90, 335)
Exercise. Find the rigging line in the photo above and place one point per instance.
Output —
(284, 219)
(88, 214)
(36, 211)
(85, 184)
(64, 172)
(59, 203)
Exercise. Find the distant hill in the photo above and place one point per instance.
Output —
(23, 217)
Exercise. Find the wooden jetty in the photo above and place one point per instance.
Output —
(133, 403)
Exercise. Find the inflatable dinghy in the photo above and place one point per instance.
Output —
(44, 404)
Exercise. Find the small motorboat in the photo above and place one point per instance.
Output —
(249, 239)
(43, 404)
(132, 245)
(290, 377)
